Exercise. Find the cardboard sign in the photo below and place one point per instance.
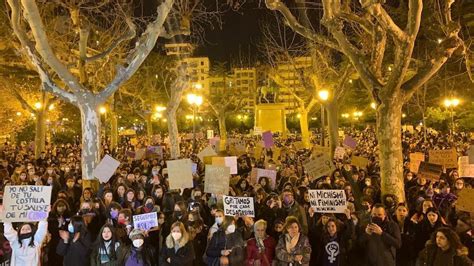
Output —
(140, 153)
(470, 154)
(350, 142)
(359, 161)
(415, 159)
(319, 166)
(208, 151)
(180, 173)
(430, 170)
(318, 149)
(446, 158)
(328, 200)
(145, 221)
(239, 206)
(465, 169)
(26, 203)
(230, 162)
(210, 134)
(258, 172)
(217, 179)
(105, 169)
(465, 201)
(339, 153)
(267, 137)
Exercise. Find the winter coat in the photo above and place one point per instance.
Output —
(75, 252)
(253, 253)
(25, 254)
(183, 256)
(333, 250)
(221, 241)
(284, 258)
(95, 257)
(381, 249)
(452, 257)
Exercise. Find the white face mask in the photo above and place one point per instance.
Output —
(219, 220)
(230, 229)
(176, 235)
(137, 242)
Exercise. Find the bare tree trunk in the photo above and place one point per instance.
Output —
(173, 134)
(113, 130)
(333, 125)
(389, 118)
(304, 127)
(90, 125)
(149, 126)
(40, 133)
(222, 130)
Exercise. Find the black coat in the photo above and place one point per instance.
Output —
(184, 256)
(428, 256)
(381, 249)
(75, 253)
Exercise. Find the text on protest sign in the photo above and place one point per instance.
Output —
(217, 179)
(328, 201)
(465, 169)
(180, 173)
(446, 158)
(319, 166)
(430, 170)
(105, 169)
(145, 221)
(230, 162)
(415, 159)
(239, 206)
(26, 203)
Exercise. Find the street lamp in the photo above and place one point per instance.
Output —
(195, 101)
(373, 105)
(323, 97)
(102, 110)
(450, 103)
(38, 105)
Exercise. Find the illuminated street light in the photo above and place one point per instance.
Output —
(323, 95)
(160, 108)
(198, 86)
(18, 113)
(102, 110)
(345, 115)
(51, 107)
(404, 115)
(298, 116)
(373, 105)
(38, 105)
(450, 103)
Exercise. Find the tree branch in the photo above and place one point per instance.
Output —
(22, 101)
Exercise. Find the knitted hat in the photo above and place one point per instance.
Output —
(136, 233)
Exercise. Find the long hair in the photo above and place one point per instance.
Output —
(453, 238)
(33, 231)
(79, 226)
(100, 242)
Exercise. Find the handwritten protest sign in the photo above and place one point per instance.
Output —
(465, 200)
(217, 179)
(180, 173)
(239, 206)
(258, 172)
(145, 221)
(446, 158)
(359, 161)
(415, 159)
(430, 170)
(208, 151)
(267, 137)
(465, 169)
(350, 142)
(319, 166)
(105, 169)
(26, 203)
(210, 134)
(339, 153)
(230, 162)
(328, 201)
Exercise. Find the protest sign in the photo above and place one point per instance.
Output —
(105, 169)
(210, 134)
(465, 169)
(154, 150)
(350, 142)
(258, 172)
(430, 170)
(339, 153)
(319, 166)
(267, 137)
(318, 149)
(145, 221)
(180, 173)
(208, 151)
(340, 133)
(140, 153)
(446, 158)
(217, 179)
(359, 161)
(465, 201)
(470, 154)
(415, 159)
(230, 162)
(328, 201)
(239, 206)
(26, 203)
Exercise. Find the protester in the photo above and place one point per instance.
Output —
(226, 246)
(179, 249)
(261, 249)
(444, 248)
(106, 248)
(26, 242)
(293, 247)
(75, 246)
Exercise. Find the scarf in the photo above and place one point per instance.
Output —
(291, 242)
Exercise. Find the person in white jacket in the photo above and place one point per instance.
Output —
(26, 243)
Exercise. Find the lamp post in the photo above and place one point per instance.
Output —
(195, 101)
(450, 103)
(323, 97)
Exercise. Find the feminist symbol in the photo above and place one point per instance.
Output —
(332, 248)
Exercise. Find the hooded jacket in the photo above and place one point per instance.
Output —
(452, 257)
(182, 254)
(25, 254)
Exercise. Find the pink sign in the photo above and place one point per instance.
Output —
(267, 139)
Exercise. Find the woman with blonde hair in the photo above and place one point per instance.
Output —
(178, 249)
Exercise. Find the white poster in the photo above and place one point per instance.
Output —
(239, 206)
(328, 200)
(105, 169)
(26, 203)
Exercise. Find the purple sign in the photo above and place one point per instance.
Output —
(350, 142)
(267, 139)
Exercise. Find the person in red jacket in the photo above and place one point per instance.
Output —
(261, 249)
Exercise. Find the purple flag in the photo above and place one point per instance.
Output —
(267, 139)
(350, 142)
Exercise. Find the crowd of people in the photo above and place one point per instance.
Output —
(88, 226)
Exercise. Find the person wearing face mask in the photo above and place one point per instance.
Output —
(148, 206)
(226, 246)
(75, 244)
(58, 219)
(105, 250)
(292, 208)
(112, 213)
(124, 225)
(179, 249)
(219, 218)
(25, 243)
(381, 239)
(139, 253)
